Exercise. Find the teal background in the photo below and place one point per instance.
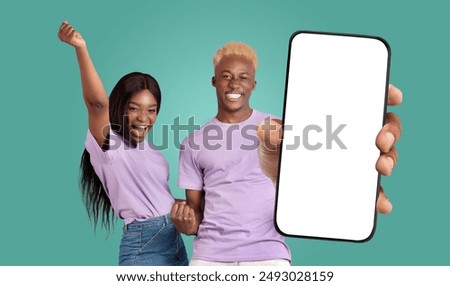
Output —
(44, 119)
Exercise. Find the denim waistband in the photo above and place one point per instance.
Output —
(159, 220)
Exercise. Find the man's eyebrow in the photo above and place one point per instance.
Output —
(241, 72)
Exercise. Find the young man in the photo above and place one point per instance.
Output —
(229, 200)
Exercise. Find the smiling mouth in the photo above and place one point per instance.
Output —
(140, 129)
(233, 96)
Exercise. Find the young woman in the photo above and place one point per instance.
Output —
(121, 172)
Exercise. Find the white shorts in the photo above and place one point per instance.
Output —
(273, 262)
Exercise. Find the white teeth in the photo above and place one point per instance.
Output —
(139, 130)
(140, 126)
(233, 95)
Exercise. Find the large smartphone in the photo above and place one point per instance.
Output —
(334, 107)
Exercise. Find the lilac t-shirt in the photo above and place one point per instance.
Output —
(238, 223)
(135, 179)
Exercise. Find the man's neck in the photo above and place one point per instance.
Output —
(234, 117)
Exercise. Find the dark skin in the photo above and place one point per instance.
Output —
(234, 80)
(141, 109)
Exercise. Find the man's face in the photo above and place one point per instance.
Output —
(234, 80)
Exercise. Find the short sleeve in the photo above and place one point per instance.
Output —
(95, 151)
(190, 175)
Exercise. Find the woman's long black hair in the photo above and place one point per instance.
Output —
(93, 193)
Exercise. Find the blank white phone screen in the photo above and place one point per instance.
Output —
(334, 108)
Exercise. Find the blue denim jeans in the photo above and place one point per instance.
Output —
(152, 242)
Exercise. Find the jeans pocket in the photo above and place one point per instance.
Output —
(150, 235)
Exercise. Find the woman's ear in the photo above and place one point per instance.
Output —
(254, 85)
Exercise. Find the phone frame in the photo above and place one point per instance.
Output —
(383, 112)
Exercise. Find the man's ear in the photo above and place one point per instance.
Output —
(213, 81)
(254, 85)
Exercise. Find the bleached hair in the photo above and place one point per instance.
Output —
(238, 49)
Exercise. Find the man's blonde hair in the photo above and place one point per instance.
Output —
(238, 49)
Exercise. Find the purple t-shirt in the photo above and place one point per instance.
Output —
(135, 179)
(238, 223)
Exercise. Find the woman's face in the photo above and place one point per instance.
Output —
(141, 114)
